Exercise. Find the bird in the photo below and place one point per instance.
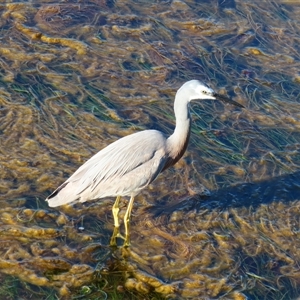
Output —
(131, 163)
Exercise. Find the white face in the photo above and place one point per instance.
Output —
(196, 90)
(204, 92)
(199, 90)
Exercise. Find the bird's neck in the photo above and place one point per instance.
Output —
(178, 141)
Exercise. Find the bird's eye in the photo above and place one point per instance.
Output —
(204, 92)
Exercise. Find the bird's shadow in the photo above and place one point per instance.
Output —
(285, 188)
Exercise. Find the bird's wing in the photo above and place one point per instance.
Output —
(119, 158)
(111, 164)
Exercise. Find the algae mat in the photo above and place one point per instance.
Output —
(224, 222)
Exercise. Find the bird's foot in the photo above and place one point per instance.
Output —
(116, 234)
(126, 241)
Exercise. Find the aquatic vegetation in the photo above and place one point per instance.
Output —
(76, 76)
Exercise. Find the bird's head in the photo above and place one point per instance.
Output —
(196, 90)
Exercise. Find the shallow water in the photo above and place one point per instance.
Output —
(77, 76)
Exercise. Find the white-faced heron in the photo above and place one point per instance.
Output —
(131, 163)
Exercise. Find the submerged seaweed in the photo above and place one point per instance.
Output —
(77, 76)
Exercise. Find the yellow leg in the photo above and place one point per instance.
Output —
(113, 239)
(116, 233)
(127, 222)
(115, 211)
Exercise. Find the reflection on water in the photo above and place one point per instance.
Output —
(77, 76)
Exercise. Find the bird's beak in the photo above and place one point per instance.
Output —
(225, 99)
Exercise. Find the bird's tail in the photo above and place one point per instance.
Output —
(62, 195)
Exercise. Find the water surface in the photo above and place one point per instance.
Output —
(77, 76)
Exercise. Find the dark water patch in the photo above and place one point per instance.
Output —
(284, 189)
